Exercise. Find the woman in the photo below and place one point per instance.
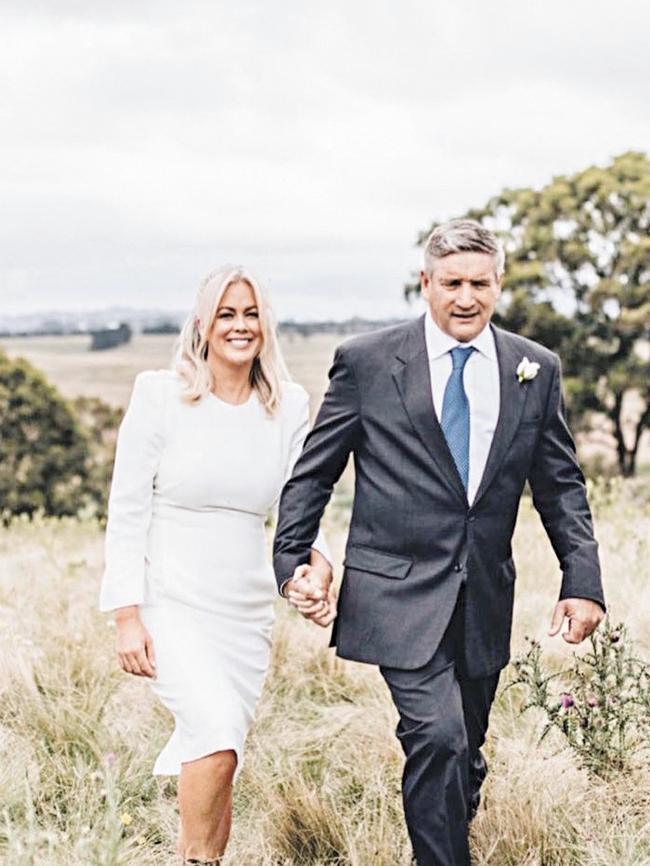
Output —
(202, 454)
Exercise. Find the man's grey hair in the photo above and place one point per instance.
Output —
(463, 236)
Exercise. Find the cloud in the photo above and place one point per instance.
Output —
(147, 140)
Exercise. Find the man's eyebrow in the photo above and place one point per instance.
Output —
(483, 279)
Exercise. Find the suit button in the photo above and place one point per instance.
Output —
(458, 567)
(471, 519)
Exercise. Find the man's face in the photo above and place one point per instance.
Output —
(462, 292)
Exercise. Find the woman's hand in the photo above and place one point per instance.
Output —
(134, 644)
(312, 593)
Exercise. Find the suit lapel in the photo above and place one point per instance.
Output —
(511, 405)
(412, 376)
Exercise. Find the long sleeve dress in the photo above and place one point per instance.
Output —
(192, 487)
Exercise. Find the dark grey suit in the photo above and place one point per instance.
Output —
(416, 551)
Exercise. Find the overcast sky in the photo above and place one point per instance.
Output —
(145, 143)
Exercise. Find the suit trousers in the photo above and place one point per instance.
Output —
(443, 718)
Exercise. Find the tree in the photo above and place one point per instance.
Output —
(578, 281)
(44, 452)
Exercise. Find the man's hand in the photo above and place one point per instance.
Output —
(311, 592)
(584, 617)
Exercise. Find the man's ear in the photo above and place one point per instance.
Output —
(425, 282)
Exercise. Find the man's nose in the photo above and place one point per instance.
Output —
(465, 296)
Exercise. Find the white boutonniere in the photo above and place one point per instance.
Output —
(527, 370)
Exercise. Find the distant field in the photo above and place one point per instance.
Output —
(77, 371)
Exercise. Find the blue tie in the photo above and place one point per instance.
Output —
(455, 413)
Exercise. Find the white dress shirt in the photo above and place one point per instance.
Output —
(481, 381)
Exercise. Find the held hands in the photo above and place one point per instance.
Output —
(311, 592)
(584, 617)
(134, 644)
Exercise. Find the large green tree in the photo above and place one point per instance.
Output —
(578, 281)
(44, 452)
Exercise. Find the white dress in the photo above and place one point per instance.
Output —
(192, 487)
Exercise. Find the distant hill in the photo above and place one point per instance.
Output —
(52, 323)
(355, 325)
(156, 322)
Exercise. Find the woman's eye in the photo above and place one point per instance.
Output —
(253, 315)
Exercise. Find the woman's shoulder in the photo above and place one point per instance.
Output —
(294, 397)
(154, 384)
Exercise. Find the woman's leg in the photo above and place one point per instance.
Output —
(205, 801)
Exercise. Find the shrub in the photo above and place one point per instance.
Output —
(600, 704)
(44, 452)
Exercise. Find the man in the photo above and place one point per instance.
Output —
(447, 418)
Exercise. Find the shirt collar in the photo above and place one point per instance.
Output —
(439, 343)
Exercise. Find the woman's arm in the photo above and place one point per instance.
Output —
(137, 456)
(139, 446)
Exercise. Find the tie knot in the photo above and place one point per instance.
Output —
(459, 356)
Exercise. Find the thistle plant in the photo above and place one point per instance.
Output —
(600, 704)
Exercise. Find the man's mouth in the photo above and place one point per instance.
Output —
(464, 315)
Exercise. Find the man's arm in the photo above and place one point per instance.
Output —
(323, 459)
(560, 497)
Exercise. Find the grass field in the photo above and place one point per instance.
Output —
(320, 786)
(321, 781)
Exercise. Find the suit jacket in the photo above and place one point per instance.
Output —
(413, 538)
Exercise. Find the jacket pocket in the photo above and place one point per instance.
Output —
(377, 562)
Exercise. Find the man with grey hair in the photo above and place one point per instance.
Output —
(447, 417)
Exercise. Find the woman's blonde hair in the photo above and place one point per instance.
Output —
(191, 349)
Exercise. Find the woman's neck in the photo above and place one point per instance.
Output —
(231, 383)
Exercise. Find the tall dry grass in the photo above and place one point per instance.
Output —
(321, 783)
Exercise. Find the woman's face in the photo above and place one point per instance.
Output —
(236, 336)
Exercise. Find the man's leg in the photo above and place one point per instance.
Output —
(477, 696)
(432, 732)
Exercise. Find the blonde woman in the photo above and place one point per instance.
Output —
(202, 455)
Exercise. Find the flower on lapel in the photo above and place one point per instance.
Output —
(527, 370)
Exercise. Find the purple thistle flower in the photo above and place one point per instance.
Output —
(566, 701)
